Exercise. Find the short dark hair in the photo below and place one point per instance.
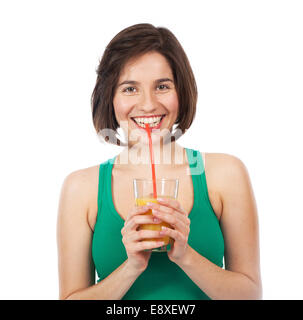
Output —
(132, 42)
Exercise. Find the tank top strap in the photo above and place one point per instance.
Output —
(196, 170)
(195, 162)
(198, 174)
(104, 175)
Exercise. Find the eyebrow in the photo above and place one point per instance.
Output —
(136, 82)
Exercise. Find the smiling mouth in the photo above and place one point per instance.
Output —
(153, 122)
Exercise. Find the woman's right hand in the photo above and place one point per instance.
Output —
(137, 257)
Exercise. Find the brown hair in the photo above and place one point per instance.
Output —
(133, 42)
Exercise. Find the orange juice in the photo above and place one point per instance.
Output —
(155, 227)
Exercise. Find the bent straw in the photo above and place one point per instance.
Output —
(151, 159)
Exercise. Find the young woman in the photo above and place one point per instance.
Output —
(144, 72)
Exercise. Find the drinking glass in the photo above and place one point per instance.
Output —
(143, 190)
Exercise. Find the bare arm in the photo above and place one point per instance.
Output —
(74, 238)
(241, 278)
(114, 287)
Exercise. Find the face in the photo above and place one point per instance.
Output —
(146, 93)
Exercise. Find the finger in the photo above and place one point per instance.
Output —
(136, 221)
(177, 235)
(172, 219)
(137, 211)
(145, 234)
(173, 204)
(171, 211)
(144, 245)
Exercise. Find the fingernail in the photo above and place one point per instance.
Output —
(156, 220)
(163, 230)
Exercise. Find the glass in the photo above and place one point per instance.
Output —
(143, 190)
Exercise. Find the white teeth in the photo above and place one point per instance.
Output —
(153, 121)
(147, 120)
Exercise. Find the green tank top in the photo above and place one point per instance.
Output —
(162, 279)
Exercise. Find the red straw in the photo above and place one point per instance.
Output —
(151, 159)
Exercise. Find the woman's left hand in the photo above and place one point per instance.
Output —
(170, 211)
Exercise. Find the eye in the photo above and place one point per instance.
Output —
(127, 90)
(163, 86)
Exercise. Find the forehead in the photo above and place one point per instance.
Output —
(148, 65)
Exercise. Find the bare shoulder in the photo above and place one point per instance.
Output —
(83, 176)
(74, 232)
(223, 173)
(230, 177)
(239, 218)
(81, 187)
(224, 168)
(222, 158)
(82, 181)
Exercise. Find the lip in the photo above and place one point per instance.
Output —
(152, 128)
(153, 115)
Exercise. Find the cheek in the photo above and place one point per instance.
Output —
(171, 102)
(121, 107)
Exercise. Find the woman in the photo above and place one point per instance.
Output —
(144, 72)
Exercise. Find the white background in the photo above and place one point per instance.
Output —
(247, 60)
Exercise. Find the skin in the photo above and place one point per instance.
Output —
(229, 190)
(149, 96)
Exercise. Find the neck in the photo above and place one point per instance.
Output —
(167, 155)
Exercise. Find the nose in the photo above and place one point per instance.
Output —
(148, 103)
